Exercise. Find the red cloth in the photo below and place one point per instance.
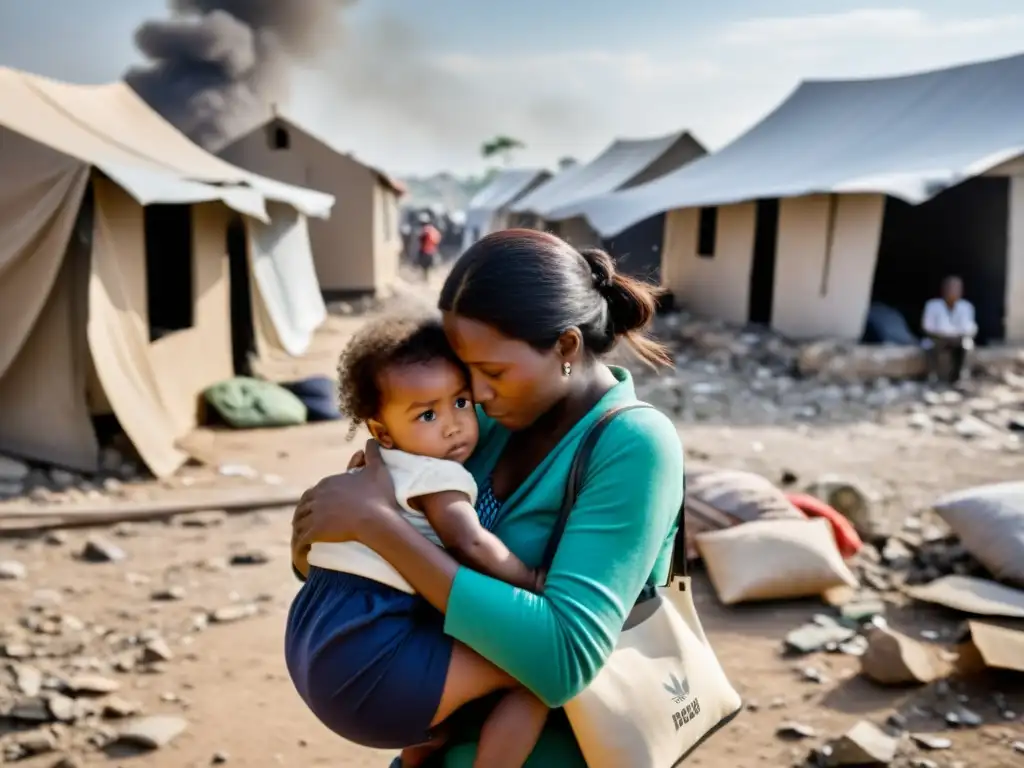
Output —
(847, 540)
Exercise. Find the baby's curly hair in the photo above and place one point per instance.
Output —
(379, 344)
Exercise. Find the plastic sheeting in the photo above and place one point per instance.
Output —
(289, 306)
(909, 137)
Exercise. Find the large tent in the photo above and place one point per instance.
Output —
(849, 192)
(108, 212)
(488, 209)
(909, 137)
(623, 163)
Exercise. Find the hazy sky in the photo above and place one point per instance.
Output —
(420, 92)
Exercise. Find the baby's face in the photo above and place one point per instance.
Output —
(427, 409)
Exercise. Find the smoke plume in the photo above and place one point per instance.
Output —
(217, 66)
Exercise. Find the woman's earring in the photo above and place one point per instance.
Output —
(566, 369)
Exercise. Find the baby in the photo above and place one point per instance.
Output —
(360, 645)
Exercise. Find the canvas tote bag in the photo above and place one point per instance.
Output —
(662, 691)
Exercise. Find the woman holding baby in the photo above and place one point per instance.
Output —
(481, 649)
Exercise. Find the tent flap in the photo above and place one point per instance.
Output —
(44, 415)
(287, 291)
(118, 342)
(40, 192)
(909, 137)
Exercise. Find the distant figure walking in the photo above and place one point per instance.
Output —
(430, 239)
(949, 329)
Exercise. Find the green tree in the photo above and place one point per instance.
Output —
(501, 146)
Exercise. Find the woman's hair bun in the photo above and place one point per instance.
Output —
(602, 268)
(631, 304)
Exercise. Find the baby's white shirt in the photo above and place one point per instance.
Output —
(413, 476)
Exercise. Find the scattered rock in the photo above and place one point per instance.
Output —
(795, 731)
(254, 557)
(92, 685)
(32, 709)
(862, 610)
(31, 744)
(864, 744)
(233, 613)
(824, 632)
(12, 470)
(895, 659)
(155, 651)
(961, 716)
(153, 732)
(62, 708)
(931, 742)
(169, 594)
(12, 570)
(98, 550)
(28, 680)
(115, 707)
(204, 519)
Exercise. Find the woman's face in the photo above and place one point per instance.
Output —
(513, 382)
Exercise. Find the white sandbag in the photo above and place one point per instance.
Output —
(773, 560)
(989, 521)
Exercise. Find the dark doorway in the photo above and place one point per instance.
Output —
(170, 295)
(762, 270)
(243, 336)
(961, 232)
(637, 250)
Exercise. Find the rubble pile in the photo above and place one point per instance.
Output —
(752, 376)
(857, 626)
(66, 683)
(48, 485)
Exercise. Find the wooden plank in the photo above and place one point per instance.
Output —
(32, 517)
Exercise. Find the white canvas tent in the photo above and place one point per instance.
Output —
(624, 164)
(77, 165)
(488, 210)
(786, 224)
(909, 137)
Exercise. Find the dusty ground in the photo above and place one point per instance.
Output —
(228, 679)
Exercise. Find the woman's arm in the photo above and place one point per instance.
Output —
(555, 643)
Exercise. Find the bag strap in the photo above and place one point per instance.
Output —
(574, 485)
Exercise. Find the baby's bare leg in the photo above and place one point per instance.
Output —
(470, 677)
(511, 731)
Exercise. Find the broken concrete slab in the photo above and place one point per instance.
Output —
(896, 659)
(864, 744)
(153, 732)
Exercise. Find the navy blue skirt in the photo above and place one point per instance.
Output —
(368, 660)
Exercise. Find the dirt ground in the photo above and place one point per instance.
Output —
(229, 682)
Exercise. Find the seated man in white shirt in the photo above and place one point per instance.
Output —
(949, 329)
